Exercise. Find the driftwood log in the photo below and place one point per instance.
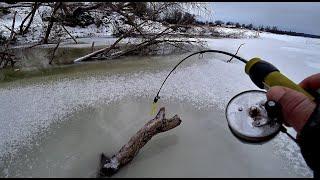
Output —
(109, 166)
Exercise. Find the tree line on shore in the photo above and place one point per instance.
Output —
(271, 29)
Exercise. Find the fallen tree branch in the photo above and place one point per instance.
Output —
(146, 44)
(126, 34)
(5, 58)
(22, 4)
(106, 49)
(51, 21)
(33, 12)
(92, 46)
(109, 166)
(54, 51)
(179, 47)
(9, 29)
(23, 21)
(34, 45)
(150, 39)
(130, 19)
(143, 44)
(69, 34)
(12, 34)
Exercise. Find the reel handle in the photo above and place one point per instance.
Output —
(273, 110)
(265, 75)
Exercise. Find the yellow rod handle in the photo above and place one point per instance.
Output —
(277, 79)
(265, 75)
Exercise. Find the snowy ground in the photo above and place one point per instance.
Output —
(30, 109)
(107, 29)
(38, 27)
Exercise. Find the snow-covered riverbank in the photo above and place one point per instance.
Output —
(107, 27)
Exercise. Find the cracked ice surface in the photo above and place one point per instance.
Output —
(30, 110)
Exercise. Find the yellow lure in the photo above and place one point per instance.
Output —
(153, 109)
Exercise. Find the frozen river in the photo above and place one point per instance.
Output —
(57, 125)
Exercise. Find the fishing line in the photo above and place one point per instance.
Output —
(157, 97)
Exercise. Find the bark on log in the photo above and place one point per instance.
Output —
(106, 49)
(109, 166)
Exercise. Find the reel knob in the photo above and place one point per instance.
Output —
(273, 110)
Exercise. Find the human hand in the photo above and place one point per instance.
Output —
(296, 107)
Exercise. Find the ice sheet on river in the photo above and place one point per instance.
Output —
(29, 110)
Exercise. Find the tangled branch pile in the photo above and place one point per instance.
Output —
(152, 24)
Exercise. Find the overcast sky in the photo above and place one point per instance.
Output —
(296, 16)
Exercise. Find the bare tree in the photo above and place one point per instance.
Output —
(136, 15)
(139, 30)
(31, 15)
(5, 56)
(69, 34)
(12, 34)
(51, 21)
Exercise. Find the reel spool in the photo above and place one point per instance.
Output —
(252, 118)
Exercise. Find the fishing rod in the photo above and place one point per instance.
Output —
(157, 97)
(250, 116)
